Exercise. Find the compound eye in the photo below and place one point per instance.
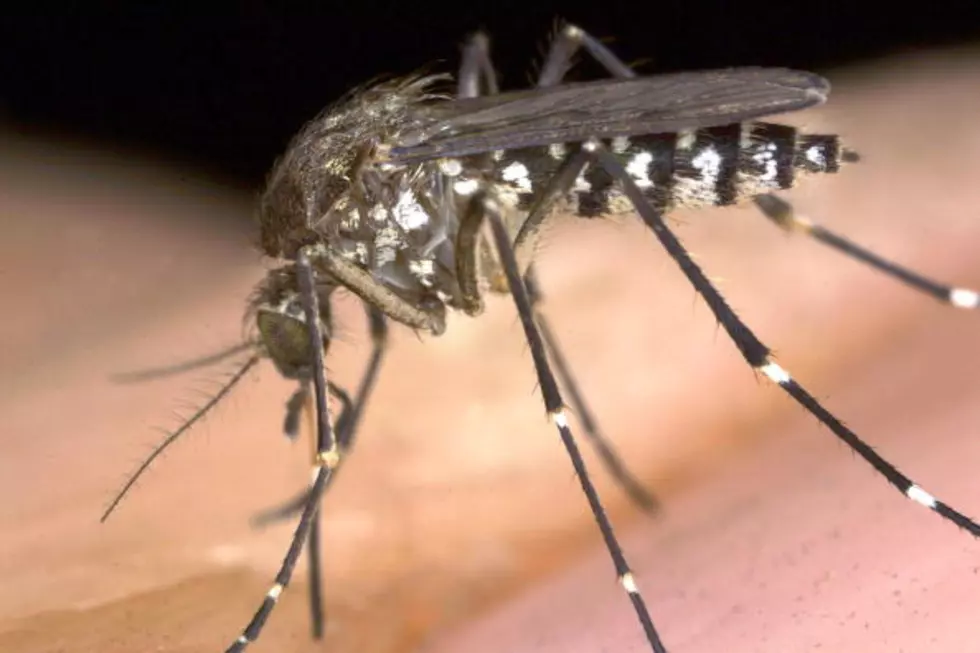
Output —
(286, 338)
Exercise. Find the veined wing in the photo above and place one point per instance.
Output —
(608, 108)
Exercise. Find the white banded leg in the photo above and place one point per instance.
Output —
(326, 460)
(556, 412)
(477, 77)
(782, 213)
(759, 356)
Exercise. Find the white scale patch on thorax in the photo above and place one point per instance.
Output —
(465, 187)
(408, 213)
(450, 167)
(423, 270)
(378, 213)
(517, 174)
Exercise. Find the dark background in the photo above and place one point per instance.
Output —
(223, 89)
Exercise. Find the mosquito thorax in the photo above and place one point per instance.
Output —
(319, 177)
(333, 188)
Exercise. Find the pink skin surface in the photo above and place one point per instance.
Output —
(458, 525)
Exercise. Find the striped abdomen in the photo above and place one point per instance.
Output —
(715, 166)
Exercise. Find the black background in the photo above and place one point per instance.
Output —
(222, 89)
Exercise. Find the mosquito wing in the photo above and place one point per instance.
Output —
(578, 111)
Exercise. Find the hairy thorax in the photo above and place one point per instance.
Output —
(333, 187)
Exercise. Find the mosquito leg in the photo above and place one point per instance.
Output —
(346, 429)
(294, 409)
(314, 568)
(556, 412)
(345, 435)
(467, 240)
(559, 185)
(467, 259)
(475, 67)
(607, 455)
(294, 506)
(285, 510)
(327, 459)
(568, 40)
(314, 575)
(781, 212)
(759, 356)
(347, 421)
(476, 77)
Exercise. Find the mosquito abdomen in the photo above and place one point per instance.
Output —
(714, 166)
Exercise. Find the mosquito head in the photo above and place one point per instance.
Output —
(280, 318)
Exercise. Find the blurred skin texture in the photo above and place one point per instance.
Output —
(458, 524)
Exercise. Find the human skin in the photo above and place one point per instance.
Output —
(457, 524)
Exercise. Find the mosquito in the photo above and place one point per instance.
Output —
(421, 200)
